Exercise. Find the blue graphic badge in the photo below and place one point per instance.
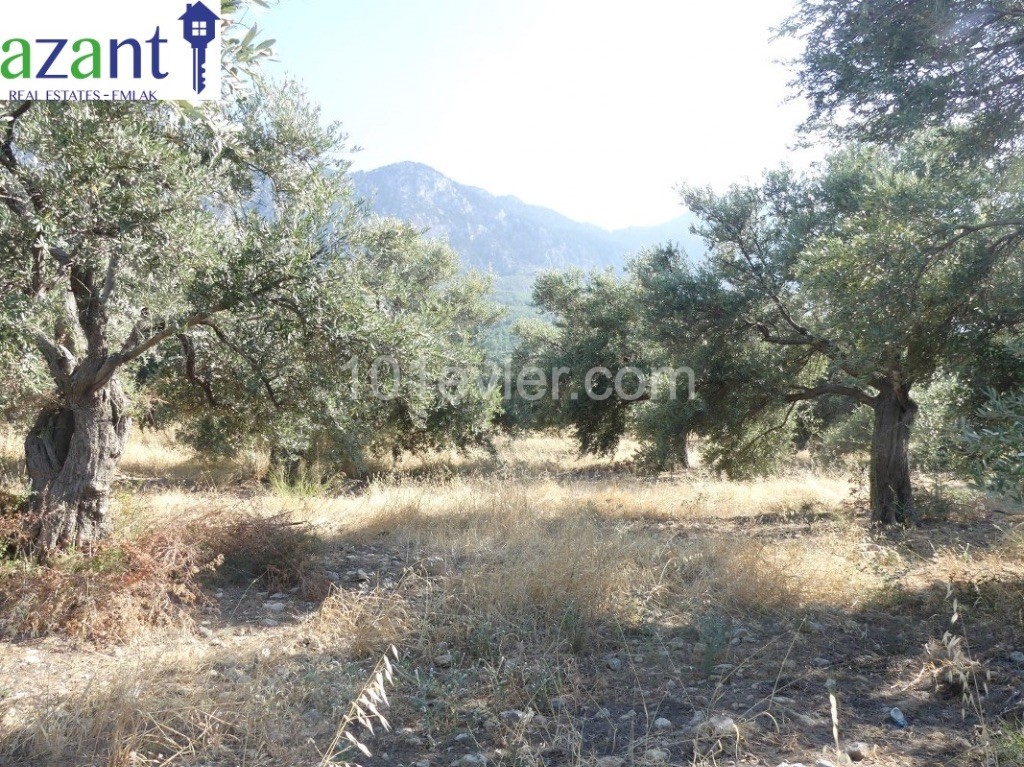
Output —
(200, 28)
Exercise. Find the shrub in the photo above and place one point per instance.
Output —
(153, 580)
(12, 527)
(840, 441)
(275, 551)
(935, 436)
(995, 445)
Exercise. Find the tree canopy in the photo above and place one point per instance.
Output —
(871, 276)
(882, 69)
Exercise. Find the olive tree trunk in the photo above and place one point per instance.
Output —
(72, 454)
(681, 450)
(892, 499)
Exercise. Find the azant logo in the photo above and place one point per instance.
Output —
(157, 64)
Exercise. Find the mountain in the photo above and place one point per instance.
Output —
(503, 234)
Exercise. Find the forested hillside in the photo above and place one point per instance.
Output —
(504, 234)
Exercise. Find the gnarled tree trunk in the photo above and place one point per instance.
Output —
(681, 449)
(891, 495)
(72, 453)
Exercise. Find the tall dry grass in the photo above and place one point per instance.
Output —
(517, 568)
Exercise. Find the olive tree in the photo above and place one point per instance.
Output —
(620, 357)
(134, 234)
(883, 69)
(868, 278)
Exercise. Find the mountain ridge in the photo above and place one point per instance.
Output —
(503, 233)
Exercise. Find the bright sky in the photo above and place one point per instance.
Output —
(596, 109)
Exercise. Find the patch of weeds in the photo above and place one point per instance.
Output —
(805, 511)
(714, 629)
(575, 629)
(275, 551)
(436, 699)
(955, 671)
(1008, 747)
(941, 503)
(364, 711)
(302, 481)
(540, 683)
(994, 596)
(13, 538)
(528, 684)
(153, 580)
(482, 641)
(108, 560)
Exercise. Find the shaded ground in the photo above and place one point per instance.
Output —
(557, 618)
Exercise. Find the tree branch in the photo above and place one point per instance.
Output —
(9, 161)
(813, 392)
(128, 354)
(133, 348)
(222, 336)
(203, 384)
(803, 340)
(110, 279)
(60, 361)
(967, 230)
(67, 328)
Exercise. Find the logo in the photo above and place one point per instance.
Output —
(155, 50)
(200, 28)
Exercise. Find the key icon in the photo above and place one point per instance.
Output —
(200, 28)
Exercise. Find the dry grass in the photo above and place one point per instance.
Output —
(158, 456)
(124, 589)
(183, 704)
(604, 543)
(366, 624)
(506, 581)
(279, 553)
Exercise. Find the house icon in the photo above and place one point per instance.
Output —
(200, 28)
(200, 24)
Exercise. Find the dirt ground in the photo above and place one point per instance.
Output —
(547, 611)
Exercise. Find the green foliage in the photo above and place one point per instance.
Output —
(663, 427)
(864, 281)
(935, 441)
(362, 374)
(890, 272)
(891, 67)
(304, 482)
(594, 314)
(874, 273)
(846, 438)
(595, 339)
(715, 629)
(1008, 746)
(218, 263)
(995, 444)
(687, 310)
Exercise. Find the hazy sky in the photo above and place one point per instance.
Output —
(596, 109)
